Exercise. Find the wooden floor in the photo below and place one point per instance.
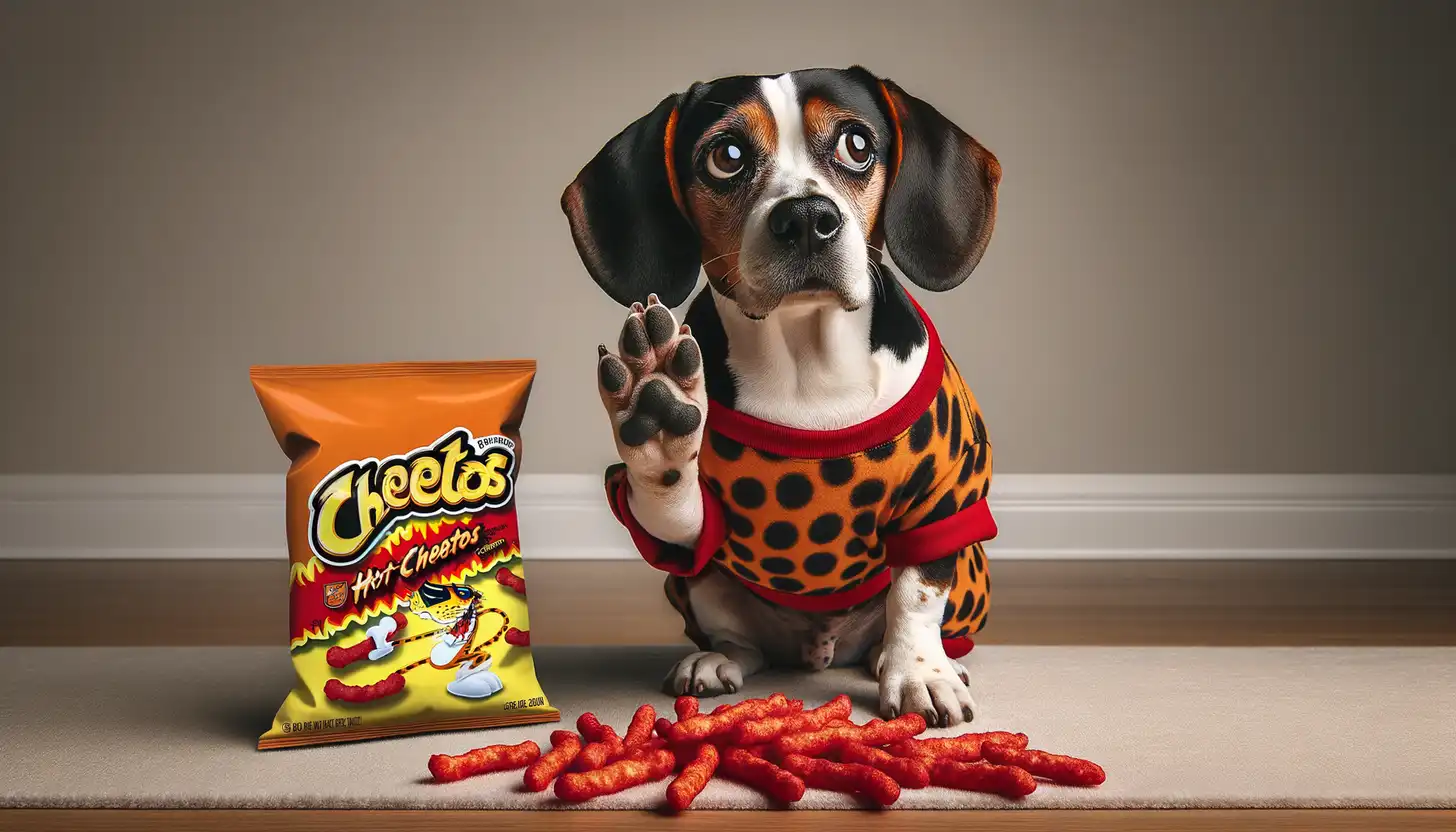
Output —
(1039, 602)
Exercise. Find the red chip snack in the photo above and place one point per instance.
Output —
(907, 771)
(640, 729)
(400, 517)
(701, 727)
(758, 731)
(619, 776)
(694, 778)
(850, 778)
(599, 753)
(446, 768)
(565, 745)
(740, 766)
(1007, 781)
(663, 727)
(965, 748)
(1058, 768)
(685, 706)
(875, 732)
(390, 685)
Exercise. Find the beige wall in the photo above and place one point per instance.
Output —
(1225, 241)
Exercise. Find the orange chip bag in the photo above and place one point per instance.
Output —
(401, 516)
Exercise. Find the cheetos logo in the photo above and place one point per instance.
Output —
(359, 501)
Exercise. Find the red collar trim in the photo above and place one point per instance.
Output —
(798, 443)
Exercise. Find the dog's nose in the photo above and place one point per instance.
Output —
(805, 222)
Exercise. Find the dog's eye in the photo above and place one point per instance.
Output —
(727, 159)
(854, 150)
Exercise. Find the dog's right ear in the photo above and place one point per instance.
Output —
(627, 215)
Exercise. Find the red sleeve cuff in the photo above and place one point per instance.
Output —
(670, 557)
(911, 547)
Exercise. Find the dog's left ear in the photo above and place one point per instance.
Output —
(940, 200)
(626, 218)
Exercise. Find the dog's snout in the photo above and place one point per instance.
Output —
(807, 223)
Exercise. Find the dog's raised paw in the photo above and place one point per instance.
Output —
(652, 388)
(703, 674)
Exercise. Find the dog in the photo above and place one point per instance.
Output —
(837, 512)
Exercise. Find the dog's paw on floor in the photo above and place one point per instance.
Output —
(703, 674)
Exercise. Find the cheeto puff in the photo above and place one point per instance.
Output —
(640, 728)
(1007, 781)
(875, 732)
(345, 656)
(685, 706)
(517, 638)
(388, 686)
(589, 727)
(663, 727)
(850, 778)
(599, 753)
(447, 768)
(577, 787)
(965, 748)
(908, 772)
(694, 778)
(1058, 768)
(757, 773)
(764, 730)
(508, 579)
(701, 727)
(565, 745)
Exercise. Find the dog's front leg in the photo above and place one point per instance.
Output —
(915, 674)
(654, 394)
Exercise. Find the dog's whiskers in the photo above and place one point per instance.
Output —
(721, 256)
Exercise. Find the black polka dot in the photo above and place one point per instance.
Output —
(744, 572)
(825, 528)
(955, 427)
(876, 572)
(867, 493)
(968, 464)
(982, 457)
(978, 559)
(740, 551)
(771, 457)
(864, 523)
(777, 566)
(971, 498)
(942, 411)
(855, 547)
(748, 492)
(968, 602)
(820, 563)
(794, 491)
(980, 426)
(715, 486)
(880, 453)
(980, 607)
(943, 509)
(740, 525)
(851, 584)
(854, 569)
(837, 471)
(922, 480)
(723, 446)
(781, 535)
(949, 611)
(920, 432)
(786, 584)
(960, 633)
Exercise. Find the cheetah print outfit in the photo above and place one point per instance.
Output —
(815, 520)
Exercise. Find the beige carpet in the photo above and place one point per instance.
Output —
(1174, 727)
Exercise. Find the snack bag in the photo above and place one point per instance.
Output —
(406, 593)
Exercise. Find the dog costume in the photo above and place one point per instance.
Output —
(815, 520)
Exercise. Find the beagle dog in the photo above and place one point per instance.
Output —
(836, 512)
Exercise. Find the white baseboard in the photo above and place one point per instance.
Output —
(564, 517)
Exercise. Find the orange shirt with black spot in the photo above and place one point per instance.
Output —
(815, 520)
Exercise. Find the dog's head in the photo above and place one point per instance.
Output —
(784, 187)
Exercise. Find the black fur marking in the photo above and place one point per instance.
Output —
(941, 571)
(894, 323)
(707, 327)
(671, 476)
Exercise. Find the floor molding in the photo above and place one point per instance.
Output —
(564, 517)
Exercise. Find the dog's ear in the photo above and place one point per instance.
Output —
(627, 217)
(940, 201)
